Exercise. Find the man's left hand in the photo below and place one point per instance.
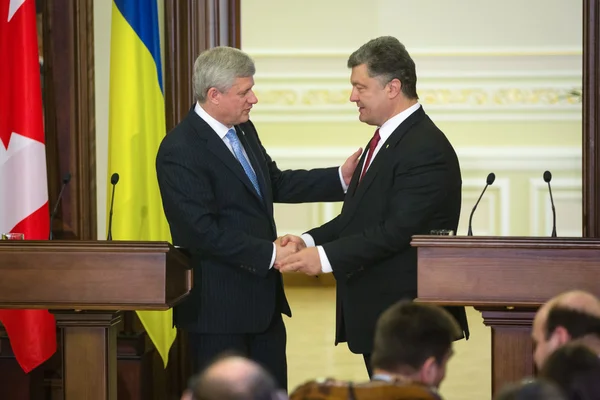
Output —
(306, 260)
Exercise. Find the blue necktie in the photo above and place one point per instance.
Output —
(239, 154)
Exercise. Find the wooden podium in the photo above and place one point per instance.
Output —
(87, 284)
(507, 279)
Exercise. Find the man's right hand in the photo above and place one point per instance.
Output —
(286, 245)
(287, 239)
(282, 252)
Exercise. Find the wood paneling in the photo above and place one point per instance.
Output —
(591, 118)
(69, 115)
(190, 28)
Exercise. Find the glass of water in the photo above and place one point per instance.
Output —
(444, 232)
(13, 236)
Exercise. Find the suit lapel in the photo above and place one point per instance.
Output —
(388, 147)
(216, 146)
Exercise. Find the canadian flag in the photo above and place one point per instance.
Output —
(23, 185)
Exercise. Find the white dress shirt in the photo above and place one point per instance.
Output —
(385, 131)
(222, 130)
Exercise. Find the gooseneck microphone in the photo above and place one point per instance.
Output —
(489, 181)
(547, 179)
(114, 179)
(65, 180)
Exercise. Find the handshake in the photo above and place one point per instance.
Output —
(292, 255)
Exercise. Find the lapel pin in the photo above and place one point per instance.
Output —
(387, 145)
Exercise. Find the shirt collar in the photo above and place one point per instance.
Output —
(218, 127)
(389, 126)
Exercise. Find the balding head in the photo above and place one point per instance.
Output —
(234, 378)
(568, 316)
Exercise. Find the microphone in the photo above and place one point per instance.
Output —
(547, 179)
(65, 180)
(113, 180)
(490, 180)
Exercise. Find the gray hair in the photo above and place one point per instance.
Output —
(387, 59)
(219, 67)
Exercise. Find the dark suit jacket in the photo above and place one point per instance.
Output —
(214, 211)
(412, 186)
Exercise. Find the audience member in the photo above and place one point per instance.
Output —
(575, 368)
(413, 341)
(530, 390)
(234, 378)
(566, 317)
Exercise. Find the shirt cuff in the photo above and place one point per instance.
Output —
(344, 186)
(325, 264)
(308, 240)
(274, 255)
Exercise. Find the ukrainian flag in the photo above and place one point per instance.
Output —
(136, 128)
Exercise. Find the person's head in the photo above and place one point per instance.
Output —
(384, 80)
(233, 378)
(223, 81)
(568, 316)
(575, 369)
(530, 390)
(414, 340)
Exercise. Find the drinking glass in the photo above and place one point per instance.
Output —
(445, 232)
(13, 236)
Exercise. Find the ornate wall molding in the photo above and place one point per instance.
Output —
(459, 84)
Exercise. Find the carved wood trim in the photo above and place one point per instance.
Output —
(591, 118)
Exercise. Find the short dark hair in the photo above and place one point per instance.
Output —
(408, 333)
(530, 390)
(570, 367)
(577, 323)
(387, 59)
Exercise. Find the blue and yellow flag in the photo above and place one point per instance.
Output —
(136, 128)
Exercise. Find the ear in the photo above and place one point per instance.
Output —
(562, 335)
(428, 372)
(394, 88)
(187, 395)
(213, 95)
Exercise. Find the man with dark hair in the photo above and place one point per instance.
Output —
(530, 390)
(575, 368)
(564, 318)
(413, 341)
(407, 182)
(234, 378)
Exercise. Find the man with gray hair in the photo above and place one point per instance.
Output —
(218, 185)
(407, 183)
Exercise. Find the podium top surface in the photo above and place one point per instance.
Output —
(505, 241)
(89, 245)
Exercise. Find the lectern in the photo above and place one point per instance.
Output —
(87, 284)
(507, 279)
